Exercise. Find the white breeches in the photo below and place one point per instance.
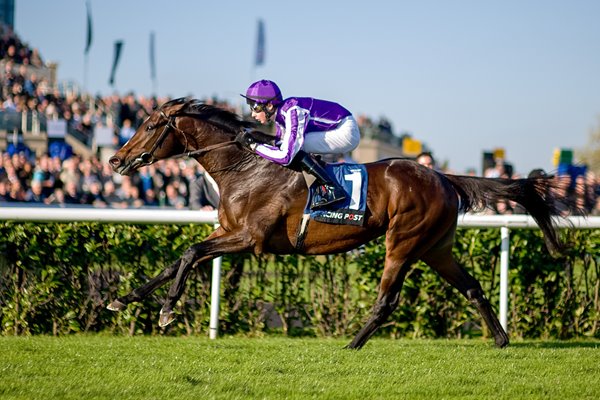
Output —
(341, 140)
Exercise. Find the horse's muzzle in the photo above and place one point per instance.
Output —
(124, 168)
(117, 165)
(121, 167)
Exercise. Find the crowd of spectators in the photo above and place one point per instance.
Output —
(59, 179)
(13, 49)
(579, 186)
(71, 179)
(76, 181)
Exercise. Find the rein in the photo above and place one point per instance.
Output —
(147, 158)
(205, 150)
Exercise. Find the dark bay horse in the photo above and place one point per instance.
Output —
(262, 203)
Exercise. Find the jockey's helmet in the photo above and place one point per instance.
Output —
(262, 92)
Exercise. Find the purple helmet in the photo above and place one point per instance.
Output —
(263, 92)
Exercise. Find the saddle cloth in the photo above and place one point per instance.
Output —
(353, 179)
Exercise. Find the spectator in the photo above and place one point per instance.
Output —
(150, 198)
(56, 198)
(72, 195)
(426, 159)
(70, 171)
(561, 191)
(126, 132)
(4, 191)
(88, 175)
(16, 192)
(497, 170)
(44, 174)
(35, 194)
(85, 128)
(35, 59)
(204, 193)
(146, 178)
(94, 195)
(173, 198)
(134, 199)
(110, 196)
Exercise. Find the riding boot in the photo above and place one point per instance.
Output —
(329, 191)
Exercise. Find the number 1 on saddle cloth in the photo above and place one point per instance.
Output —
(353, 179)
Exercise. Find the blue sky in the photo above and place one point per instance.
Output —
(462, 76)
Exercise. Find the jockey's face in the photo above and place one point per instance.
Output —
(260, 116)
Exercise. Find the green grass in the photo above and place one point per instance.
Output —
(103, 367)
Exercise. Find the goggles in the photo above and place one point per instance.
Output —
(257, 107)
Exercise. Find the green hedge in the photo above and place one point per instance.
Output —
(57, 279)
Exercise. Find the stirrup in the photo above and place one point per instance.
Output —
(328, 195)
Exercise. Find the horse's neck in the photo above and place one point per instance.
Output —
(251, 174)
(236, 170)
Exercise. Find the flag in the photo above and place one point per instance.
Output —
(152, 58)
(118, 46)
(260, 44)
(88, 41)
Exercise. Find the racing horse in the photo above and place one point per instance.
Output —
(262, 203)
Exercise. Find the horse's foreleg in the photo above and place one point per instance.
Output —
(443, 262)
(138, 294)
(200, 254)
(187, 261)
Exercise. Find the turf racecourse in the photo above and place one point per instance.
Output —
(104, 367)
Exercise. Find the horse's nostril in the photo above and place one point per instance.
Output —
(114, 162)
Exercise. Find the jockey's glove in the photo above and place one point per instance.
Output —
(248, 140)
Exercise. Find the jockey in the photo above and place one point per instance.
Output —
(304, 125)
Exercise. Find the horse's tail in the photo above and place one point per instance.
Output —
(536, 195)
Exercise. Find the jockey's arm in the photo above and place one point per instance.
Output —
(291, 138)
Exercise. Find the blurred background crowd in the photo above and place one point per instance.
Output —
(63, 177)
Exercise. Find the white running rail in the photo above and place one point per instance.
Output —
(183, 217)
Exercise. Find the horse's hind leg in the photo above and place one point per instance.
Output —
(444, 263)
(394, 272)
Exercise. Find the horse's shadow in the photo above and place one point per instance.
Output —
(588, 344)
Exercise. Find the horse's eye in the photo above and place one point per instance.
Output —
(149, 128)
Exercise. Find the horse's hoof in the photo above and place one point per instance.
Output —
(353, 346)
(166, 318)
(116, 305)
(502, 342)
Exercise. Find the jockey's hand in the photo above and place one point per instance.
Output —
(248, 140)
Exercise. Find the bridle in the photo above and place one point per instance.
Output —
(147, 157)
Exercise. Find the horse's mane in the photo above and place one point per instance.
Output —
(220, 117)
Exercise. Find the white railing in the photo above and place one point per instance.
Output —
(167, 216)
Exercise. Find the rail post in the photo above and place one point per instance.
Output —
(215, 297)
(504, 261)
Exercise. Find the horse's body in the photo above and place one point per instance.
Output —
(262, 205)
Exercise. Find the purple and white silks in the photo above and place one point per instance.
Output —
(316, 126)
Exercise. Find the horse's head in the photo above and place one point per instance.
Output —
(154, 140)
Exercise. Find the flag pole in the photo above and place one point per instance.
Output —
(259, 56)
(153, 64)
(88, 44)
(85, 72)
